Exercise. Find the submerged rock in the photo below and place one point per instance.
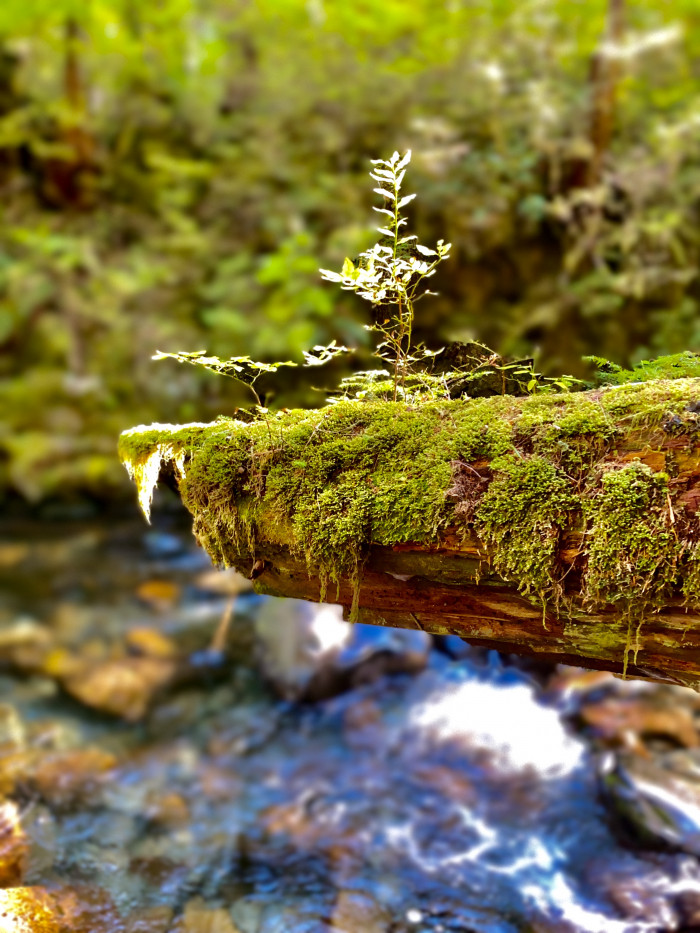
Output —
(307, 652)
(658, 800)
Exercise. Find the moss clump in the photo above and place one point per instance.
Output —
(690, 573)
(572, 433)
(632, 556)
(528, 504)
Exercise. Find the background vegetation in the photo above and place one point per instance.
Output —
(172, 175)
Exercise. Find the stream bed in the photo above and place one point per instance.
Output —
(178, 755)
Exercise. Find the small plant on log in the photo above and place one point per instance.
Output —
(240, 368)
(391, 274)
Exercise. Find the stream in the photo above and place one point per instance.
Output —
(179, 755)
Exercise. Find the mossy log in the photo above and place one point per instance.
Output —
(564, 526)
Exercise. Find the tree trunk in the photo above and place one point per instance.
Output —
(69, 181)
(606, 71)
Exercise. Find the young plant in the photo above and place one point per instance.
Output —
(246, 371)
(390, 274)
(241, 368)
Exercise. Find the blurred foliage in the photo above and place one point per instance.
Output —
(172, 175)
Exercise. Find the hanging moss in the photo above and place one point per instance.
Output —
(633, 556)
(528, 504)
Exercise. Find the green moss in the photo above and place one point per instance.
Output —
(572, 431)
(650, 404)
(528, 504)
(632, 555)
(690, 575)
(330, 483)
(684, 365)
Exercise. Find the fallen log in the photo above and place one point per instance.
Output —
(564, 526)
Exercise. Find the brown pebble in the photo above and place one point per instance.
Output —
(198, 918)
(64, 779)
(168, 810)
(151, 643)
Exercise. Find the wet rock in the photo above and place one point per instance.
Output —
(27, 910)
(373, 651)
(14, 767)
(657, 800)
(247, 913)
(41, 829)
(67, 549)
(628, 721)
(150, 920)
(199, 918)
(12, 554)
(68, 779)
(307, 652)
(686, 889)
(168, 810)
(24, 644)
(295, 640)
(13, 846)
(646, 897)
(71, 622)
(300, 916)
(12, 731)
(572, 686)
(125, 687)
(355, 910)
(160, 595)
(150, 642)
(86, 908)
(159, 872)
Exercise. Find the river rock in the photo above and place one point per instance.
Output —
(27, 910)
(657, 799)
(307, 652)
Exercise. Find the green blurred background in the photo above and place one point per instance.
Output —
(172, 175)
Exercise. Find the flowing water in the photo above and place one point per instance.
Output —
(469, 794)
